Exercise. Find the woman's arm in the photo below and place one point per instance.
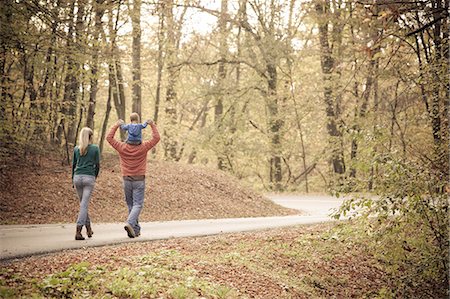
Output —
(74, 161)
(97, 162)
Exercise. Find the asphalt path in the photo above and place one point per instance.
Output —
(312, 205)
(18, 241)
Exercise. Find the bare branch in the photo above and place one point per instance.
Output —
(210, 63)
(424, 27)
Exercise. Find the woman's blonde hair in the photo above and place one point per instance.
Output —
(85, 139)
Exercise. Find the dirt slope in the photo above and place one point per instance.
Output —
(43, 194)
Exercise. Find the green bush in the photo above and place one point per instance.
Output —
(408, 223)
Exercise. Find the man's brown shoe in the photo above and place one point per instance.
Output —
(130, 230)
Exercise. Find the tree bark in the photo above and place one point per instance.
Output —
(218, 109)
(160, 63)
(5, 96)
(275, 125)
(269, 74)
(332, 112)
(107, 112)
(116, 79)
(136, 58)
(70, 85)
(436, 68)
(99, 11)
(170, 141)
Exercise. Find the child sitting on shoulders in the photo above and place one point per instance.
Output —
(134, 129)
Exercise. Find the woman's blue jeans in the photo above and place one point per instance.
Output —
(84, 185)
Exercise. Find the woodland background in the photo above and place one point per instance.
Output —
(285, 95)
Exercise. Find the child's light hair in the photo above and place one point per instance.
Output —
(84, 139)
(134, 117)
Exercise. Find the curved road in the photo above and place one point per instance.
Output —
(23, 240)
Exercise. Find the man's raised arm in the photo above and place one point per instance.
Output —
(110, 138)
(155, 136)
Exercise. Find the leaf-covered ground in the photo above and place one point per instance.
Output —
(302, 262)
(41, 192)
(318, 261)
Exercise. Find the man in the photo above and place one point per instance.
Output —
(133, 164)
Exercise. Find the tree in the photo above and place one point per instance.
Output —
(72, 81)
(116, 79)
(173, 35)
(99, 11)
(270, 50)
(221, 76)
(160, 62)
(136, 57)
(329, 64)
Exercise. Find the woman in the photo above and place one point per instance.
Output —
(85, 169)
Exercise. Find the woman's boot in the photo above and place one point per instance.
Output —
(89, 230)
(78, 235)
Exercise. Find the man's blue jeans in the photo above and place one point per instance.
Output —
(84, 185)
(134, 196)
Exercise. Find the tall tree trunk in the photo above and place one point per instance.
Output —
(136, 57)
(116, 79)
(436, 69)
(70, 84)
(275, 119)
(376, 103)
(218, 109)
(327, 65)
(42, 126)
(275, 125)
(369, 84)
(435, 89)
(269, 73)
(55, 103)
(446, 66)
(99, 11)
(48, 82)
(120, 103)
(81, 108)
(33, 113)
(237, 80)
(170, 141)
(5, 97)
(76, 86)
(160, 63)
(107, 112)
(393, 109)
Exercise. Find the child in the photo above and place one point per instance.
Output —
(134, 129)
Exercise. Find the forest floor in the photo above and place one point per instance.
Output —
(316, 261)
(331, 260)
(41, 192)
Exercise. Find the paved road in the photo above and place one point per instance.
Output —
(24, 240)
(313, 205)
